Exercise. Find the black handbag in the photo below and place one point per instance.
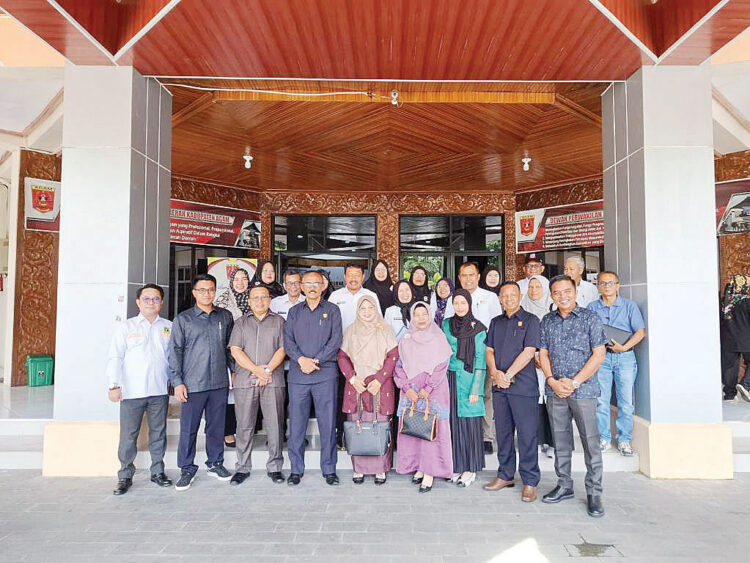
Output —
(367, 438)
(420, 424)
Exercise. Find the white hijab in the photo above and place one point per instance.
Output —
(538, 307)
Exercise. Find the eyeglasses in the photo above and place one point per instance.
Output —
(150, 300)
(312, 284)
(607, 284)
(205, 291)
(260, 298)
(292, 284)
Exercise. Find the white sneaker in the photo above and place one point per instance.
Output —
(454, 478)
(625, 449)
(742, 392)
(605, 445)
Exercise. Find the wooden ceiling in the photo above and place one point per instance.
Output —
(371, 146)
(580, 40)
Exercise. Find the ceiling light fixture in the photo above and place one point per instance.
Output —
(526, 160)
(248, 157)
(394, 97)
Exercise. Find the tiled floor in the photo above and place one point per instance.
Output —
(26, 402)
(60, 520)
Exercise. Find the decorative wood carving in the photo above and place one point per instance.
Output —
(734, 166)
(35, 310)
(563, 195)
(214, 194)
(734, 252)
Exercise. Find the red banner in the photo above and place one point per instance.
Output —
(556, 228)
(213, 225)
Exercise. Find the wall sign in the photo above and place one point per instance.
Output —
(212, 225)
(733, 207)
(42, 205)
(556, 228)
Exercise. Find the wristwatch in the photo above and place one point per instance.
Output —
(576, 384)
(113, 387)
(267, 370)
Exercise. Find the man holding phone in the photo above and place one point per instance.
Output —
(625, 328)
(257, 346)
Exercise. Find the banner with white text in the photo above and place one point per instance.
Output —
(555, 228)
(212, 225)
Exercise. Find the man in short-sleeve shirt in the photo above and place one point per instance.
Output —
(512, 340)
(570, 352)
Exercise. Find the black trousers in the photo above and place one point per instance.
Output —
(517, 415)
(730, 371)
(214, 404)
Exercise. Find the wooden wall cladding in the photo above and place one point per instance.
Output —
(213, 194)
(35, 308)
(734, 166)
(562, 195)
(387, 207)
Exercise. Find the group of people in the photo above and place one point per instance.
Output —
(477, 362)
(735, 337)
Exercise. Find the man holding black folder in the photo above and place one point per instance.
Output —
(624, 328)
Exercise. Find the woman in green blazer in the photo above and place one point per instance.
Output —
(466, 373)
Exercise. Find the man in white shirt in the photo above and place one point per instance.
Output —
(586, 292)
(138, 373)
(533, 266)
(346, 298)
(485, 306)
(293, 287)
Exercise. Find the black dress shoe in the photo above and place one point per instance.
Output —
(332, 479)
(594, 506)
(161, 479)
(416, 480)
(358, 480)
(122, 486)
(294, 479)
(488, 447)
(380, 481)
(276, 476)
(238, 478)
(557, 494)
(424, 489)
(230, 444)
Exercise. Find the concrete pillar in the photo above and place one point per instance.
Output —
(114, 236)
(660, 236)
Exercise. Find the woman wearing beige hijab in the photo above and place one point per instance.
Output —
(368, 354)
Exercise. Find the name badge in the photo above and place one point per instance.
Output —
(520, 323)
(325, 315)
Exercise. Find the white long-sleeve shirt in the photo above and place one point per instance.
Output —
(347, 304)
(281, 304)
(137, 360)
(394, 319)
(485, 305)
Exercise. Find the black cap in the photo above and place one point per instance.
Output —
(533, 257)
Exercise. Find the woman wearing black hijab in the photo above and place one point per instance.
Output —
(265, 275)
(379, 283)
(398, 315)
(418, 283)
(491, 280)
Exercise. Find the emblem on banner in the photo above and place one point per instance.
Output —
(42, 198)
(527, 224)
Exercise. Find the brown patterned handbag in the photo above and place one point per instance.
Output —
(419, 424)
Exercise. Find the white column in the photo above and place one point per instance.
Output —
(114, 222)
(660, 237)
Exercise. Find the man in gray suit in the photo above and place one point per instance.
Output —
(257, 346)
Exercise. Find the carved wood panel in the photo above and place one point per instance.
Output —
(734, 250)
(734, 166)
(35, 308)
(214, 194)
(562, 195)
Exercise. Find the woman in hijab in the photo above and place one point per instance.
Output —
(441, 302)
(367, 357)
(419, 286)
(265, 275)
(420, 373)
(735, 337)
(466, 373)
(491, 280)
(398, 315)
(379, 282)
(537, 301)
(234, 300)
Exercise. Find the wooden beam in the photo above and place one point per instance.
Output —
(193, 108)
(568, 105)
(385, 97)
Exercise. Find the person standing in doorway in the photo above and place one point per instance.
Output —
(381, 285)
(347, 297)
(199, 362)
(619, 365)
(485, 306)
(586, 291)
(419, 285)
(491, 280)
(512, 341)
(571, 350)
(257, 346)
(312, 339)
(138, 372)
(441, 302)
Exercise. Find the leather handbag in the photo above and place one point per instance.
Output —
(419, 424)
(367, 438)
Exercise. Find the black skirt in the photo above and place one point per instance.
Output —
(466, 436)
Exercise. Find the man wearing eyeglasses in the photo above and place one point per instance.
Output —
(293, 287)
(570, 351)
(257, 346)
(312, 338)
(619, 363)
(199, 363)
(138, 372)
